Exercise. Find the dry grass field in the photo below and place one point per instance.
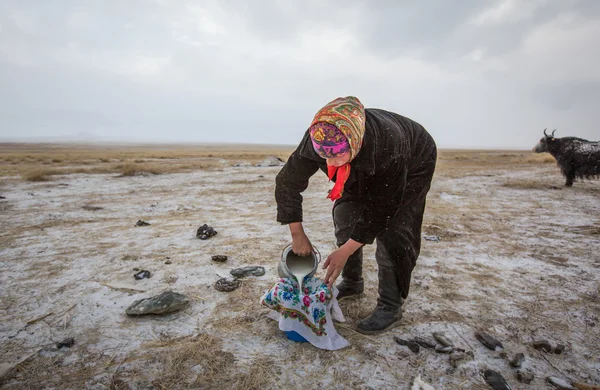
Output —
(518, 257)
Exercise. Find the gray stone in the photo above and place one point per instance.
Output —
(247, 271)
(167, 302)
(489, 341)
(441, 349)
(442, 339)
(559, 383)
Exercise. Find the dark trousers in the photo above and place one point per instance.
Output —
(399, 244)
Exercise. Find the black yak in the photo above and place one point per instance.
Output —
(577, 158)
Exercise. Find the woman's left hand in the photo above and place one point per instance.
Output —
(334, 265)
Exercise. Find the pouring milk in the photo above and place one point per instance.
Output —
(300, 266)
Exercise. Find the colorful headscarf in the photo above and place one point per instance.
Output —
(348, 116)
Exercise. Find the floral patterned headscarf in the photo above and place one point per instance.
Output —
(337, 128)
(348, 115)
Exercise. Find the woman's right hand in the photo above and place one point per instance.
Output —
(300, 243)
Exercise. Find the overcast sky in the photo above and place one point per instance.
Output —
(475, 73)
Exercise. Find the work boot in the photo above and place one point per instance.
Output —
(348, 288)
(388, 312)
(352, 281)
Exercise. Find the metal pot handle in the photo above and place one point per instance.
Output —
(315, 251)
(318, 254)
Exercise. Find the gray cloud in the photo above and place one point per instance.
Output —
(490, 74)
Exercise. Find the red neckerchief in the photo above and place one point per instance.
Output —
(343, 173)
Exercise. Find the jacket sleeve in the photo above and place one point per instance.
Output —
(383, 197)
(290, 182)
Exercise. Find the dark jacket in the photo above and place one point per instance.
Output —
(393, 146)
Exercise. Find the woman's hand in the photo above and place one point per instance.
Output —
(334, 265)
(300, 243)
(337, 260)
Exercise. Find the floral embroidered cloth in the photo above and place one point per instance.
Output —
(309, 313)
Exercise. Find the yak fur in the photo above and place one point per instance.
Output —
(577, 158)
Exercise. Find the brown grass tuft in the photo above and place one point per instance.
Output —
(196, 362)
(132, 169)
(259, 375)
(525, 184)
(39, 174)
(540, 159)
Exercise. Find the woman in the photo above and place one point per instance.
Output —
(382, 164)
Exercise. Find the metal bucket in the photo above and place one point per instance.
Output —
(282, 268)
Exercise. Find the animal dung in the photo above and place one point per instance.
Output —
(560, 348)
(219, 258)
(458, 357)
(141, 223)
(205, 232)
(142, 275)
(424, 342)
(410, 344)
(524, 376)
(489, 341)
(227, 284)
(247, 271)
(496, 380)
(68, 343)
(542, 345)
(517, 360)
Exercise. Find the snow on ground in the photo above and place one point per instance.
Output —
(519, 257)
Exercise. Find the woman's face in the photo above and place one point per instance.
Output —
(338, 160)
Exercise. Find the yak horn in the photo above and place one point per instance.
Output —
(553, 132)
(545, 131)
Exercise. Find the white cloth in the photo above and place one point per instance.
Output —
(310, 313)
